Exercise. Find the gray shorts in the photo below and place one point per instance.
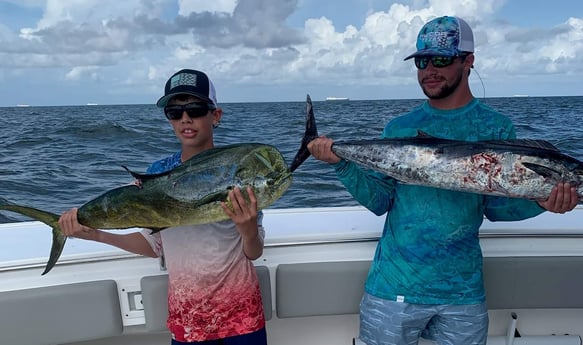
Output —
(384, 322)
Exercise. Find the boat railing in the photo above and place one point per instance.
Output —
(27, 244)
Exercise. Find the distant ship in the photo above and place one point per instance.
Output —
(91, 103)
(22, 105)
(337, 99)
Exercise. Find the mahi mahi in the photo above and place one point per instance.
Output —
(519, 168)
(189, 194)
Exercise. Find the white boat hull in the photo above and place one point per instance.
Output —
(313, 269)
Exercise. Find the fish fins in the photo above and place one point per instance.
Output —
(527, 143)
(143, 177)
(57, 247)
(422, 134)
(310, 134)
(155, 230)
(544, 171)
(220, 196)
(49, 219)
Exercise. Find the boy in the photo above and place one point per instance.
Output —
(213, 290)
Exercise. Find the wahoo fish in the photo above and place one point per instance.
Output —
(518, 168)
(189, 194)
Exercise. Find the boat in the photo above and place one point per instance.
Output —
(311, 273)
(337, 99)
(91, 103)
(22, 105)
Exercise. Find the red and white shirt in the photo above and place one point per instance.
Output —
(213, 289)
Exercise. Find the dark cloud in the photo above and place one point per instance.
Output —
(253, 24)
(528, 35)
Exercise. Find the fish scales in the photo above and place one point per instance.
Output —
(192, 193)
(508, 168)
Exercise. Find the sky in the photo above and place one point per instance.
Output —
(74, 52)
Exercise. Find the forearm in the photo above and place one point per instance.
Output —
(372, 190)
(133, 242)
(510, 209)
(253, 246)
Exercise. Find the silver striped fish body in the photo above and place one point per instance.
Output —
(513, 168)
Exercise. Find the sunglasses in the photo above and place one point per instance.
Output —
(193, 110)
(436, 61)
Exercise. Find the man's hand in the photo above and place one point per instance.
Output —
(563, 198)
(321, 149)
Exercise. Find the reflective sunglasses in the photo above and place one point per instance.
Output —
(436, 61)
(193, 110)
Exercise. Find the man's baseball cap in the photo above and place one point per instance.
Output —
(190, 82)
(444, 36)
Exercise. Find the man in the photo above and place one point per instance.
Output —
(426, 276)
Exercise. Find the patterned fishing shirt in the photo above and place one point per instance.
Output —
(429, 251)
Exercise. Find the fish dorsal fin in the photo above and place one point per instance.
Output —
(144, 177)
(530, 143)
(422, 134)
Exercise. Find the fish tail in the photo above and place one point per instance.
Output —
(57, 247)
(49, 219)
(310, 134)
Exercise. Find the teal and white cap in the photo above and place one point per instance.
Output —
(444, 36)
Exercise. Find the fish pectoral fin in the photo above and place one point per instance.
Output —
(155, 230)
(214, 197)
(544, 171)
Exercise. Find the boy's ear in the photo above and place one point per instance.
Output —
(218, 113)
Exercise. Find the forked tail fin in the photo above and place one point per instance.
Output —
(49, 219)
(310, 134)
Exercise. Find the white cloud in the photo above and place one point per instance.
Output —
(78, 73)
(237, 43)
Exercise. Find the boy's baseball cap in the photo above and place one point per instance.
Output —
(444, 36)
(191, 82)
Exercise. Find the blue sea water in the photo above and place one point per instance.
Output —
(55, 158)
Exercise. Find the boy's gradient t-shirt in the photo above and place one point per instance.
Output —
(213, 289)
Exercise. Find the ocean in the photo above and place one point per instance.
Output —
(58, 157)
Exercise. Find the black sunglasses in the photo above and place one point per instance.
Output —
(194, 110)
(436, 61)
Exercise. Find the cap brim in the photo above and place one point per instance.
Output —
(433, 52)
(163, 101)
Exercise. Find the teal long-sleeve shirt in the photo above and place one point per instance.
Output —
(429, 251)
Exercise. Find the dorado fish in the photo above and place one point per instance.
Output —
(519, 168)
(189, 194)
